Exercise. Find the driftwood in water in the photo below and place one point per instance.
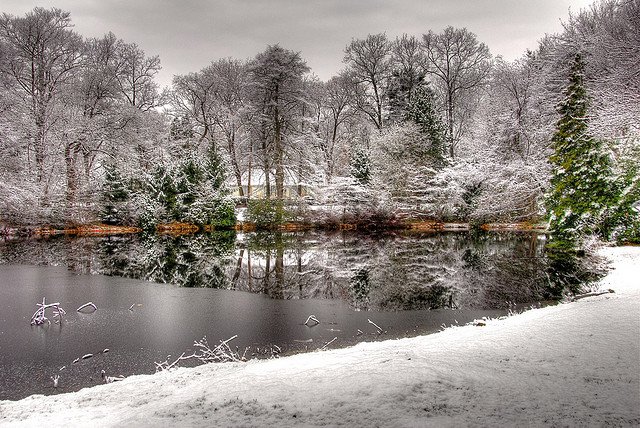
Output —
(206, 354)
(39, 317)
(328, 343)
(312, 318)
(380, 331)
(87, 305)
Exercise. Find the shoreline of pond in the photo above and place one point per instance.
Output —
(176, 228)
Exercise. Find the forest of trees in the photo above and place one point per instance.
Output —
(421, 126)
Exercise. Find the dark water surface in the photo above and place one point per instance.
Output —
(261, 287)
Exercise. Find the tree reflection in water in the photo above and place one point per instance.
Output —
(392, 271)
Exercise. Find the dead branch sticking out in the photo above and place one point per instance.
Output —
(205, 354)
(219, 354)
(380, 331)
(110, 379)
(165, 365)
(312, 318)
(87, 305)
(39, 317)
(328, 343)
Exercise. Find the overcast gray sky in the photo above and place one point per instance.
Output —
(189, 34)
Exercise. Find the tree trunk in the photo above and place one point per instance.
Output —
(238, 270)
(71, 152)
(40, 144)
(278, 291)
(279, 156)
(450, 124)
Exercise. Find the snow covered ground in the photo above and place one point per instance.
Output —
(575, 364)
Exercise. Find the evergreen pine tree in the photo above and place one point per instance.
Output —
(360, 166)
(422, 112)
(399, 94)
(581, 186)
(115, 194)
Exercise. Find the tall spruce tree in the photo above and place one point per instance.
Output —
(421, 111)
(115, 195)
(581, 184)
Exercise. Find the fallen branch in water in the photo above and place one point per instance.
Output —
(312, 318)
(219, 354)
(205, 354)
(87, 305)
(328, 343)
(380, 331)
(39, 317)
(166, 366)
(110, 379)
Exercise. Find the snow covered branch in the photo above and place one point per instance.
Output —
(205, 354)
(313, 319)
(380, 331)
(87, 305)
(39, 317)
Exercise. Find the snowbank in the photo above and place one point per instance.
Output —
(571, 364)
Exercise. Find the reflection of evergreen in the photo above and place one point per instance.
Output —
(414, 297)
(360, 288)
(189, 261)
(568, 271)
(473, 259)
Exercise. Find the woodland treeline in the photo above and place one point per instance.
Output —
(422, 126)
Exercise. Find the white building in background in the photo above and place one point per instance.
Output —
(255, 185)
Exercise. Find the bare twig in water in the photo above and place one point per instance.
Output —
(312, 318)
(166, 366)
(359, 333)
(39, 317)
(205, 354)
(110, 379)
(328, 343)
(221, 353)
(380, 331)
(87, 305)
(55, 378)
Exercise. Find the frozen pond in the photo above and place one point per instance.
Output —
(261, 287)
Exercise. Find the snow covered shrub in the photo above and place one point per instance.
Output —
(360, 165)
(402, 167)
(190, 190)
(115, 197)
(345, 200)
(268, 212)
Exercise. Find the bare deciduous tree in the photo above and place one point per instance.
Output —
(41, 55)
(459, 64)
(370, 63)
